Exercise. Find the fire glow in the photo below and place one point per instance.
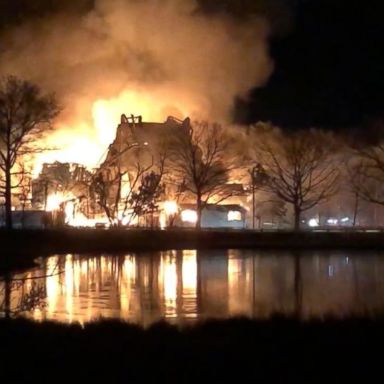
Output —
(90, 150)
(86, 142)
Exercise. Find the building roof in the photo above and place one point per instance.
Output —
(216, 207)
(148, 136)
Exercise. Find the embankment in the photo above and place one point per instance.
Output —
(20, 247)
(118, 240)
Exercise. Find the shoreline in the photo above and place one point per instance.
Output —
(19, 248)
(67, 240)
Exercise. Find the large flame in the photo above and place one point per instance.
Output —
(86, 138)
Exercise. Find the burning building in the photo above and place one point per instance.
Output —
(62, 188)
(132, 186)
(130, 181)
(140, 155)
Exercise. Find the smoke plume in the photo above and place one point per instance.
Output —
(150, 57)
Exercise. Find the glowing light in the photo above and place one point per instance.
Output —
(170, 207)
(162, 220)
(104, 120)
(344, 219)
(189, 216)
(76, 145)
(84, 135)
(130, 219)
(69, 211)
(332, 221)
(313, 223)
(54, 201)
(125, 186)
(234, 216)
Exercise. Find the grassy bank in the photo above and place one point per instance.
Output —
(113, 240)
(20, 247)
(279, 350)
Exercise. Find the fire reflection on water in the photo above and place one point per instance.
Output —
(189, 282)
(185, 285)
(85, 288)
(52, 284)
(68, 286)
(168, 280)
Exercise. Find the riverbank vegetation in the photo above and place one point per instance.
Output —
(280, 349)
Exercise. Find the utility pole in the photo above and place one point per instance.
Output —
(258, 178)
(253, 196)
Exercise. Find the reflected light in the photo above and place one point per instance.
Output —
(189, 281)
(189, 270)
(168, 279)
(69, 285)
(52, 284)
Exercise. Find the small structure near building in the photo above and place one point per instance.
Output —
(31, 219)
(213, 216)
(58, 182)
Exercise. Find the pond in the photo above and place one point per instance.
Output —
(184, 286)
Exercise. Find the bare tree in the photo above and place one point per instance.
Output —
(300, 167)
(107, 190)
(25, 189)
(145, 199)
(25, 114)
(269, 208)
(124, 193)
(366, 173)
(201, 162)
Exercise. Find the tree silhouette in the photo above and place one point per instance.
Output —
(201, 162)
(25, 114)
(300, 166)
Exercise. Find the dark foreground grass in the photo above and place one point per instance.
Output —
(237, 350)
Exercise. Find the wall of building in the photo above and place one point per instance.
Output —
(215, 216)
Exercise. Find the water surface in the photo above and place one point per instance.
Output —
(182, 286)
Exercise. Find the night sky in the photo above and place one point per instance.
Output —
(329, 69)
(328, 58)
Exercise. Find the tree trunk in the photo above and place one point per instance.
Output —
(7, 295)
(253, 207)
(355, 209)
(198, 211)
(297, 213)
(8, 198)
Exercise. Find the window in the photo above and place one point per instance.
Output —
(189, 216)
(234, 216)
